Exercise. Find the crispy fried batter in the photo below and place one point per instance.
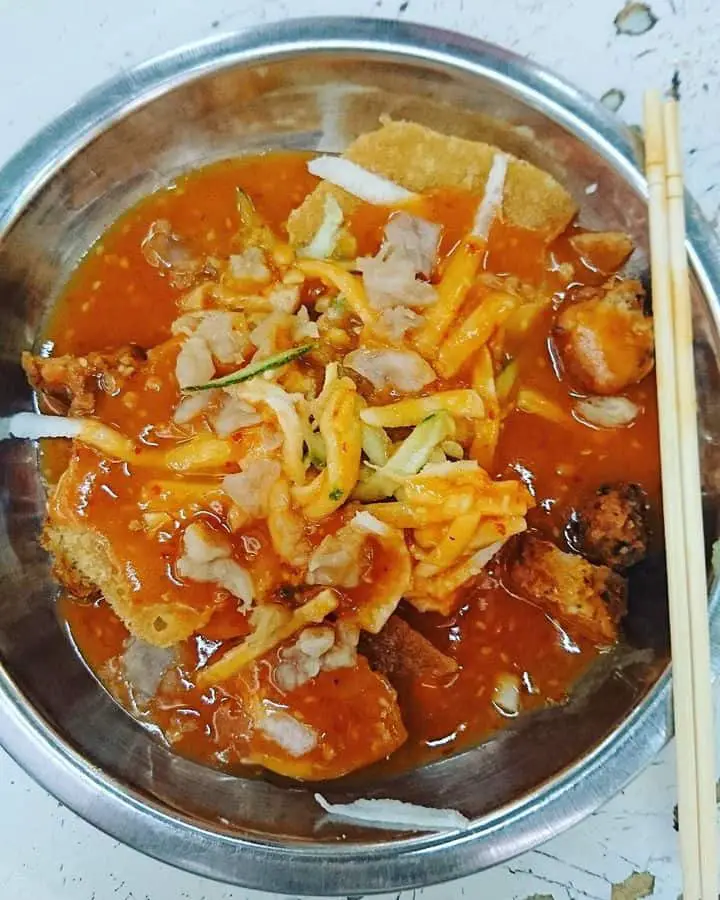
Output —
(86, 564)
(420, 159)
(605, 251)
(69, 385)
(400, 652)
(612, 525)
(605, 339)
(589, 600)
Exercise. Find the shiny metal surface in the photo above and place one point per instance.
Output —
(311, 84)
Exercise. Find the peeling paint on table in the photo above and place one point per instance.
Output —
(52, 53)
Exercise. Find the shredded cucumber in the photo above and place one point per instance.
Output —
(375, 444)
(409, 458)
(256, 368)
(316, 454)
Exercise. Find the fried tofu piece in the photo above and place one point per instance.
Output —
(588, 600)
(605, 339)
(399, 652)
(85, 563)
(605, 251)
(421, 160)
(612, 525)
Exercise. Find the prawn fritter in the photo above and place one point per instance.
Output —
(69, 385)
(612, 526)
(605, 339)
(586, 599)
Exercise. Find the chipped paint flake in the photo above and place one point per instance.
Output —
(634, 19)
(613, 99)
(636, 886)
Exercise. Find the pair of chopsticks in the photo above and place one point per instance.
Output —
(687, 584)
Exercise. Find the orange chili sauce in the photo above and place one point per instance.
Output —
(115, 297)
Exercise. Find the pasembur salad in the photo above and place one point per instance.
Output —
(358, 452)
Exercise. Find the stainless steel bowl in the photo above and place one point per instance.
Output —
(311, 84)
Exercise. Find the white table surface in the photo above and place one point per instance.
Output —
(51, 52)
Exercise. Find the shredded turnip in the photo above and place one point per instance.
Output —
(296, 738)
(250, 265)
(491, 202)
(415, 238)
(408, 250)
(396, 321)
(316, 650)
(326, 237)
(483, 556)
(233, 415)
(506, 695)
(389, 280)
(607, 412)
(268, 439)
(228, 343)
(34, 426)
(194, 364)
(358, 181)
(365, 521)
(190, 407)
(316, 641)
(285, 298)
(95, 434)
(283, 405)
(224, 333)
(250, 489)
(200, 545)
(303, 329)
(206, 557)
(396, 814)
(343, 654)
(236, 580)
(338, 559)
(144, 666)
(267, 335)
(402, 370)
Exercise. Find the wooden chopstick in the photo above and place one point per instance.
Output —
(692, 502)
(687, 584)
(683, 708)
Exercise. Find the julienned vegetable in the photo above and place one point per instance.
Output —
(359, 181)
(323, 243)
(256, 368)
(408, 459)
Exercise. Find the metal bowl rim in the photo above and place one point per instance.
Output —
(415, 862)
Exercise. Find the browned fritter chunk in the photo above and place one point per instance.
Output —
(605, 339)
(400, 652)
(84, 562)
(605, 251)
(612, 525)
(69, 385)
(588, 600)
